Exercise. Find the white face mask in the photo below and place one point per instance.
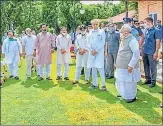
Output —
(146, 26)
(83, 32)
(29, 34)
(63, 34)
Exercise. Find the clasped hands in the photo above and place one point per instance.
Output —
(82, 51)
(63, 51)
(94, 52)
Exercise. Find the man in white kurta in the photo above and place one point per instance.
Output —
(12, 50)
(28, 49)
(81, 44)
(63, 43)
(36, 66)
(127, 66)
(96, 41)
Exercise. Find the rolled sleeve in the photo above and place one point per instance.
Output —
(107, 37)
(139, 31)
(157, 34)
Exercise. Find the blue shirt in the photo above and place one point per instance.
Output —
(138, 29)
(113, 42)
(136, 32)
(161, 30)
(149, 45)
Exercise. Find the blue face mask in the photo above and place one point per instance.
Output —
(112, 29)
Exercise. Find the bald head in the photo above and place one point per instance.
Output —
(95, 24)
(28, 31)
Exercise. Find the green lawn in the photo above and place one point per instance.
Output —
(52, 102)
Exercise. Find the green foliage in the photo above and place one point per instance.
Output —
(20, 14)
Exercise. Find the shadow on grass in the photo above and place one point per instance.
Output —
(155, 89)
(66, 84)
(103, 95)
(45, 85)
(73, 64)
(10, 81)
(144, 107)
(29, 83)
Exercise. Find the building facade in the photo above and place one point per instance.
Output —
(151, 8)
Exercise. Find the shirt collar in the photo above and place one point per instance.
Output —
(151, 28)
(95, 30)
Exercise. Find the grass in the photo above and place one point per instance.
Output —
(29, 102)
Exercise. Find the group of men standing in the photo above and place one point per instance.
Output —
(96, 49)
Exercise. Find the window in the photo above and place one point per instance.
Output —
(154, 16)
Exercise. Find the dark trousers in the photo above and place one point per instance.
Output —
(150, 67)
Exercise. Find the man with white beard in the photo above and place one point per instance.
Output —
(28, 49)
(127, 66)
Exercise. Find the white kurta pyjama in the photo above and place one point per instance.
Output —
(126, 83)
(63, 42)
(28, 42)
(81, 60)
(96, 41)
(12, 57)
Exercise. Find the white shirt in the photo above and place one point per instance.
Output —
(28, 43)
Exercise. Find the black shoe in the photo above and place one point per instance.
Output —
(16, 78)
(118, 95)
(28, 78)
(82, 72)
(58, 78)
(48, 78)
(161, 106)
(93, 87)
(147, 82)
(161, 92)
(106, 75)
(87, 81)
(11, 76)
(152, 85)
(103, 88)
(40, 79)
(66, 78)
(75, 82)
(131, 100)
(110, 77)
